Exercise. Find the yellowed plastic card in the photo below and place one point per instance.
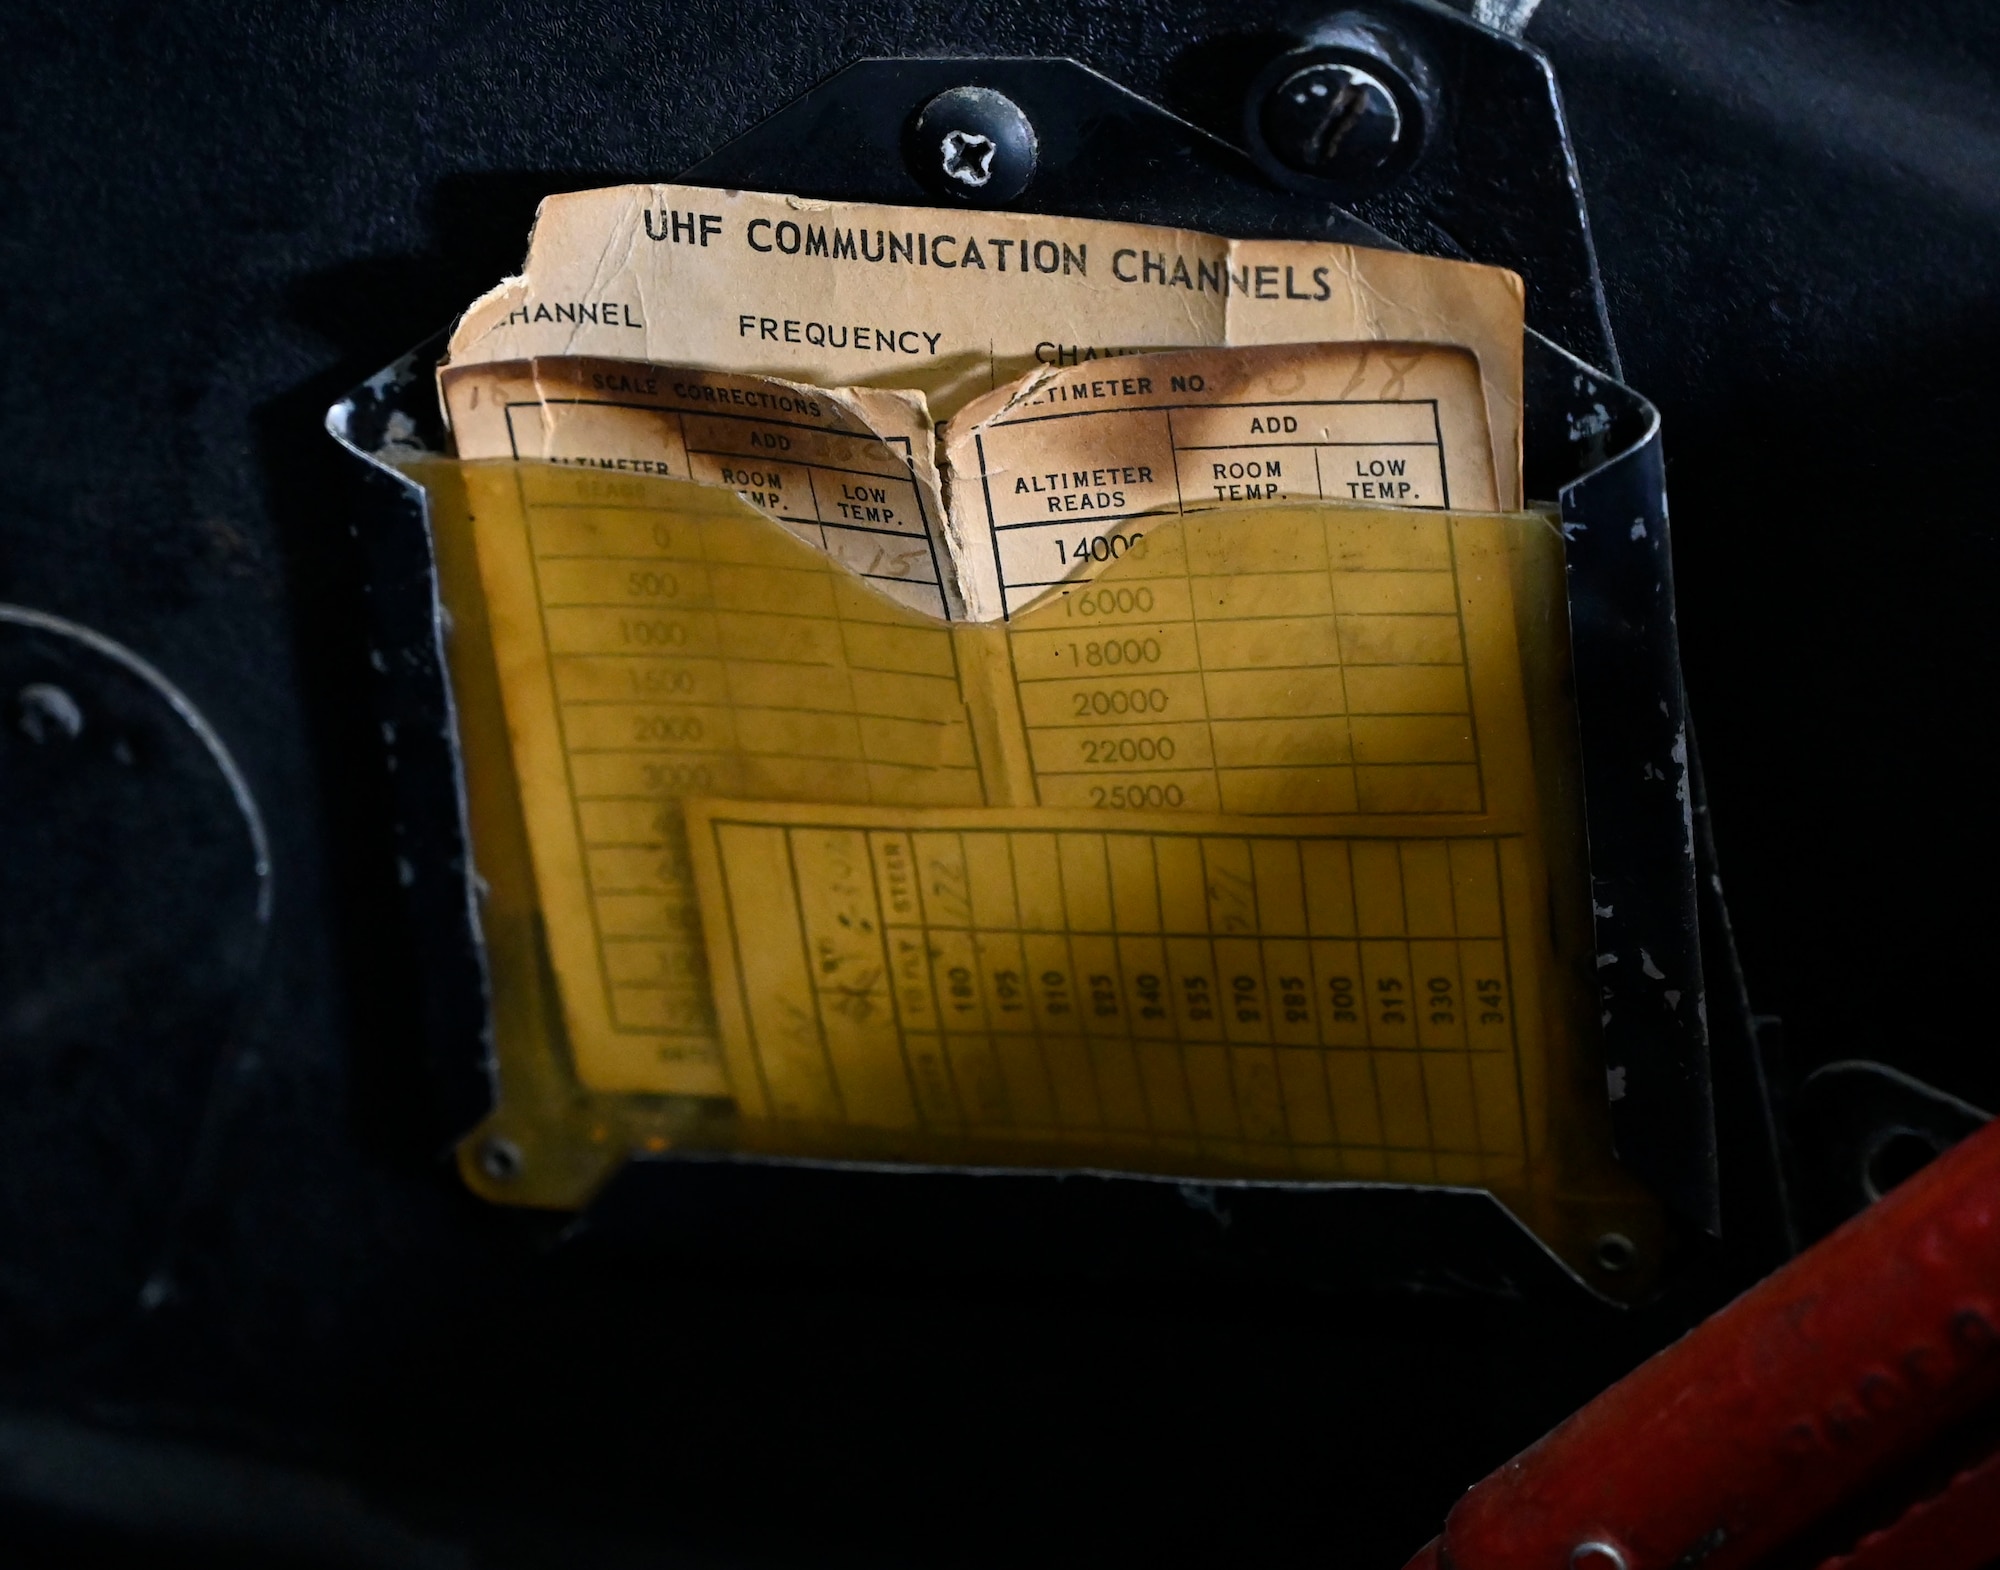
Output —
(649, 645)
(1278, 661)
(1194, 995)
(893, 980)
(1255, 853)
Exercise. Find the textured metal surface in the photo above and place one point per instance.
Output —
(1782, 1410)
(1638, 792)
(1082, 1225)
(1495, 179)
(119, 1032)
(220, 217)
(395, 413)
(1957, 1528)
(1860, 1128)
(1105, 152)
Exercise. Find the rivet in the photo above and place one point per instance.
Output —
(501, 1159)
(1614, 1253)
(46, 713)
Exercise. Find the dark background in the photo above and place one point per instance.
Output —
(214, 219)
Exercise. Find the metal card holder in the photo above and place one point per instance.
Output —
(1593, 446)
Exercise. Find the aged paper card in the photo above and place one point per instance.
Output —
(954, 304)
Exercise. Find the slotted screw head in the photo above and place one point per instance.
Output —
(1333, 120)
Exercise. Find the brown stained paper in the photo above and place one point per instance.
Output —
(954, 304)
(851, 470)
(1052, 474)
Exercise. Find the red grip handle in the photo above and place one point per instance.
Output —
(1724, 1445)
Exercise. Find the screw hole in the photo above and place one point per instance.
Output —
(501, 1160)
(1896, 1154)
(1614, 1253)
(46, 713)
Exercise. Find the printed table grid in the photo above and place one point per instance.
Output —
(1355, 1012)
(857, 544)
(1375, 752)
(1018, 590)
(723, 717)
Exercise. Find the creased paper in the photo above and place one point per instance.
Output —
(954, 304)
